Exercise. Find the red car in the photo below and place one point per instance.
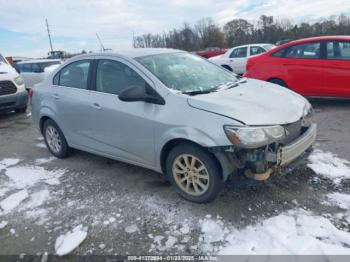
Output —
(211, 51)
(315, 67)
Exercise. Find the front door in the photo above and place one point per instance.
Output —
(305, 68)
(238, 59)
(124, 130)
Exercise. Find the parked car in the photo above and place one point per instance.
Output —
(235, 59)
(33, 71)
(175, 113)
(211, 52)
(314, 67)
(13, 95)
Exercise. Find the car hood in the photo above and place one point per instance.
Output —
(7, 72)
(254, 103)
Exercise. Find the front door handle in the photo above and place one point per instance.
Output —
(97, 106)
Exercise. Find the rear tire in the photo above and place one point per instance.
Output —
(278, 81)
(194, 173)
(55, 140)
(21, 110)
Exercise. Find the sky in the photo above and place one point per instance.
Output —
(74, 24)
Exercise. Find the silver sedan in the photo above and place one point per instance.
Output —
(175, 113)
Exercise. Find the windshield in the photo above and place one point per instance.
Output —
(187, 73)
(2, 59)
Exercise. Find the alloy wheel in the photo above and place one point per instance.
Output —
(53, 139)
(190, 174)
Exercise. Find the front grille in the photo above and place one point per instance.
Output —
(7, 88)
(293, 131)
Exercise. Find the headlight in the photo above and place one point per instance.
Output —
(18, 80)
(307, 114)
(254, 136)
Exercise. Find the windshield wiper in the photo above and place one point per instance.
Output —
(199, 92)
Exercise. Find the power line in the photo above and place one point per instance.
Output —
(49, 34)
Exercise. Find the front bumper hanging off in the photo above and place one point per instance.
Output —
(259, 164)
(294, 150)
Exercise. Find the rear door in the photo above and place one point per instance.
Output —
(337, 68)
(70, 96)
(304, 68)
(238, 59)
(124, 130)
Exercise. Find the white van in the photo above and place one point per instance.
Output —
(13, 95)
(33, 71)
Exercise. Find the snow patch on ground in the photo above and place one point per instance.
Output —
(69, 241)
(38, 198)
(25, 176)
(12, 201)
(339, 199)
(8, 162)
(131, 229)
(292, 233)
(41, 145)
(329, 166)
(3, 224)
(40, 161)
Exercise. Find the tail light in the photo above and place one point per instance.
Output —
(30, 94)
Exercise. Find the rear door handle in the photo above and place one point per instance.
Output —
(56, 96)
(97, 106)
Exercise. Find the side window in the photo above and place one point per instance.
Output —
(339, 50)
(112, 77)
(255, 50)
(36, 68)
(279, 53)
(74, 75)
(25, 68)
(307, 50)
(239, 52)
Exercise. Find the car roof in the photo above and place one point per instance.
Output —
(139, 52)
(257, 44)
(39, 61)
(318, 38)
(309, 39)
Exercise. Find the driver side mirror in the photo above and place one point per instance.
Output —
(140, 93)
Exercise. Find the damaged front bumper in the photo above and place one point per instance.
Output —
(260, 163)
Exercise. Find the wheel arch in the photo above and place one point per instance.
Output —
(270, 79)
(227, 67)
(168, 146)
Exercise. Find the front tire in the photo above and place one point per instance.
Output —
(55, 140)
(194, 173)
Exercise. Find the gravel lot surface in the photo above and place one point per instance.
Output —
(115, 208)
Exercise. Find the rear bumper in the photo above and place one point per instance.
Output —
(14, 101)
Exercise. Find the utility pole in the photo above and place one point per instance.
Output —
(48, 32)
(99, 40)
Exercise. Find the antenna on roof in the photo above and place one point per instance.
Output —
(99, 40)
